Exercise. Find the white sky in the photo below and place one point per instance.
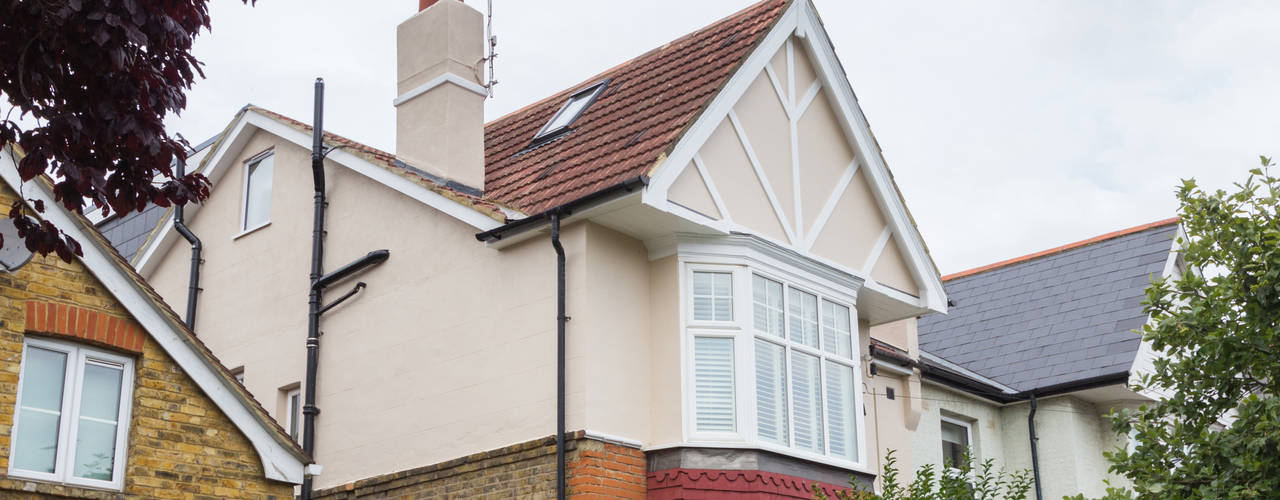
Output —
(1010, 127)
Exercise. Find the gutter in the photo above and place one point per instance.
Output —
(532, 222)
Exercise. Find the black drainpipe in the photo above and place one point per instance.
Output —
(319, 281)
(179, 223)
(1035, 456)
(560, 355)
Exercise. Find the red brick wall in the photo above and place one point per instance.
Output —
(604, 470)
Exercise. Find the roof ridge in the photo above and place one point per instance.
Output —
(596, 77)
(1063, 248)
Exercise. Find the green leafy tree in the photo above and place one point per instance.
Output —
(1215, 432)
(985, 482)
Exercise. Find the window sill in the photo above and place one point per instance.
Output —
(781, 450)
(250, 230)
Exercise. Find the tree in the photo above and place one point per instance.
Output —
(98, 78)
(1215, 432)
(965, 483)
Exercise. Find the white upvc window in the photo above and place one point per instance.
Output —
(256, 211)
(957, 436)
(71, 419)
(293, 413)
(772, 363)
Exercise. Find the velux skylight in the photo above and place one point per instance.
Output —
(568, 113)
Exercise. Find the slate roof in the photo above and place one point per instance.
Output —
(645, 108)
(128, 232)
(1057, 316)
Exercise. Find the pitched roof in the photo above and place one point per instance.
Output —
(1051, 317)
(646, 106)
(95, 244)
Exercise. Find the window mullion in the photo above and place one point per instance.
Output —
(826, 412)
(786, 366)
(71, 415)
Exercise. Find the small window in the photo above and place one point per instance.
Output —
(712, 296)
(293, 413)
(71, 420)
(568, 113)
(238, 373)
(257, 193)
(955, 440)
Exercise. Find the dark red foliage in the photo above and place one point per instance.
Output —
(98, 77)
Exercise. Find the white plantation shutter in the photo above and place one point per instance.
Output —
(771, 392)
(713, 383)
(712, 296)
(767, 302)
(835, 329)
(806, 394)
(841, 418)
(803, 308)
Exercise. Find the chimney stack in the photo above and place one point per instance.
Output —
(440, 103)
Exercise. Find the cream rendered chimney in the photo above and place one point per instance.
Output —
(440, 107)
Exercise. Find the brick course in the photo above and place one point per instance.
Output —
(596, 470)
(179, 446)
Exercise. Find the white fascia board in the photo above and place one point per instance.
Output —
(1144, 359)
(218, 162)
(278, 462)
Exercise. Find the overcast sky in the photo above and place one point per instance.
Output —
(1011, 127)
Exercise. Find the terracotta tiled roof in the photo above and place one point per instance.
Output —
(633, 124)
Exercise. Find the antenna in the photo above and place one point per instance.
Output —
(493, 49)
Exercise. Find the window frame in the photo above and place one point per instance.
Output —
(249, 166)
(589, 95)
(293, 411)
(968, 436)
(78, 357)
(742, 330)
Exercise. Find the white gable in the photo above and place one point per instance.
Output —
(784, 153)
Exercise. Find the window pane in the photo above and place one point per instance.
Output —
(100, 397)
(803, 310)
(95, 449)
(257, 205)
(295, 411)
(835, 329)
(840, 411)
(712, 296)
(955, 438)
(568, 113)
(771, 392)
(807, 401)
(40, 411)
(767, 301)
(713, 383)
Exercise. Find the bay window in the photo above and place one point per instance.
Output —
(70, 420)
(772, 362)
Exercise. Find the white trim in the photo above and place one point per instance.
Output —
(892, 368)
(249, 166)
(611, 439)
(808, 98)
(250, 230)
(876, 250)
(968, 437)
(1144, 358)
(764, 180)
(832, 200)
(77, 358)
(438, 81)
(280, 462)
(925, 356)
(777, 88)
(711, 188)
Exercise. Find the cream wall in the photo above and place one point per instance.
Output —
(985, 419)
(664, 348)
(449, 351)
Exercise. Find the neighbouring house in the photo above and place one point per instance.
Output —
(730, 231)
(1059, 326)
(104, 392)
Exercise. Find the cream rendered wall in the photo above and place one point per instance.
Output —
(985, 419)
(887, 423)
(1072, 437)
(449, 351)
(664, 348)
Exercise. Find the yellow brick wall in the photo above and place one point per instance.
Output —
(180, 444)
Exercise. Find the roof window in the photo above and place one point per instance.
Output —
(568, 113)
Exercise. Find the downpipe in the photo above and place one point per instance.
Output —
(561, 319)
(1035, 456)
(193, 281)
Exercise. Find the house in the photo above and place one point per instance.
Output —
(730, 234)
(104, 392)
(1052, 333)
